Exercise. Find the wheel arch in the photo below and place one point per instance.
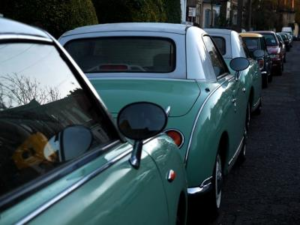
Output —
(223, 149)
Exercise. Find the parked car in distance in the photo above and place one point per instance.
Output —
(286, 40)
(232, 46)
(290, 36)
(63, 160)
(255, 42)
(282, 44)
(176, 66)
(287, 30)
(275, 51)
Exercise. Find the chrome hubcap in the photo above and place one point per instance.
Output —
(218, 181)
(245, 146)
(248, 117)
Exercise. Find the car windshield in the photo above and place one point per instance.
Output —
(252, 43)
(123, 54)
(39, 99)
(270, 39)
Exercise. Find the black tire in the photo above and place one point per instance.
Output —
(258, 109)
(242, 156)
(270, 78)
(284, 58)
(265, 81)
(181, 212)
(248, 116)
(280, 70)
(214, 197)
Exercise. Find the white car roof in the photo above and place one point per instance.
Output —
(155, 27)
(218, 31)
(10, 27)
(233, 46)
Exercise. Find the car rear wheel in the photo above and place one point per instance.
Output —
(284, 60)
(214, 197)
(270, 78)
(258, 109)
(265, 81)
(280, 69)
(242, 155)
(248, 116)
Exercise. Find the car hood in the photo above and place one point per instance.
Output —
(180, 95)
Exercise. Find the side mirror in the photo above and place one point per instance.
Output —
(258, 54)
(239, 64)
(68, 144)
(140, 121)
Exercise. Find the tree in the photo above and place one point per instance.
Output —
(16, 90)
(264, 14)
(114, 11)
(55, 16)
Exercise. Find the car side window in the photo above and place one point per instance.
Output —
(46, 117)
(246, 50)
(216, 59)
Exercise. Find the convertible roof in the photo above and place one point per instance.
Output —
(251, 35)
(131, 27)
(11, 27)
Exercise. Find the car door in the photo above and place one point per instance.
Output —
(230, 98)
(255, 74)
(62, 159)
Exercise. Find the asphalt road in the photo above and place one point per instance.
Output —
(266, 188)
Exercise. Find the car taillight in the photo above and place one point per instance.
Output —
(176, 136)
(261, 63)
(113, 67)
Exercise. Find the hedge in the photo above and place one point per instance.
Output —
(112, 11)
(173, 9)
(55, 16)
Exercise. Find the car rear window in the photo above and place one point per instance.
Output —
(221, 44)
(123, 54)
(252, 43)
(270, 39)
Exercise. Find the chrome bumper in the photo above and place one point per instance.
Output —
(203, 188)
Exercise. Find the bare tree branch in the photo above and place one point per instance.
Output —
(21, 90)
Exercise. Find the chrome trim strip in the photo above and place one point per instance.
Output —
(72, 188)
(205, 186)
(198, 115)
(28, 37)
(168, 110)
(238, 150)
(263, 72)
(136, 77)
(183, 139)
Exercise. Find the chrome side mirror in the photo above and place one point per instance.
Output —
(140, 121)
(239, 64)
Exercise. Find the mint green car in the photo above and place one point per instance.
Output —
(179, 68)
(63, 160)
(231, 45)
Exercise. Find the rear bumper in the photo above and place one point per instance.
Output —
(205, 187)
